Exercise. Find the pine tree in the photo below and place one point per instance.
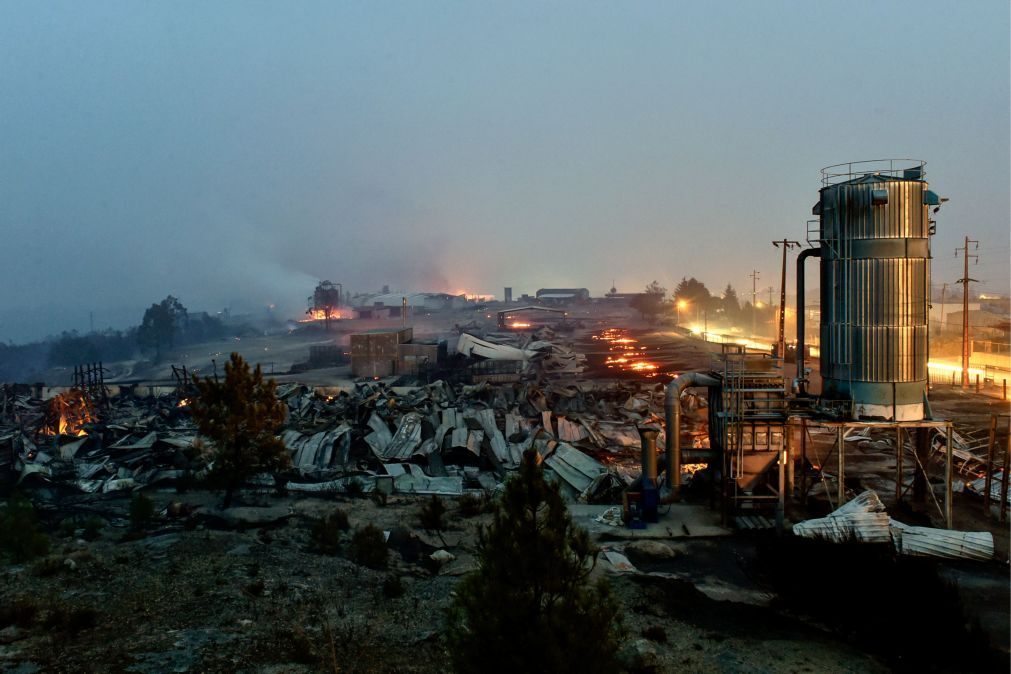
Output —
(241, 416)
(160, 323)
(530, 607)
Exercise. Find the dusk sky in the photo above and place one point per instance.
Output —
(234, 153)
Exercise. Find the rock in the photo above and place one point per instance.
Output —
(11, 634)
(442, 556)
(650, 549)
(232, 518)
(639, 656)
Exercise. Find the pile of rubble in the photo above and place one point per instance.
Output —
(538, 352)
(132, 441)
(438, 438)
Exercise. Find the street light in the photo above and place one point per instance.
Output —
(681, 304)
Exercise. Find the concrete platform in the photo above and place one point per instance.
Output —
(679, 520)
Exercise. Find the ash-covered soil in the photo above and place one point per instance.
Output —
(209, 593)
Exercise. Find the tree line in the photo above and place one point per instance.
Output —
(691, 301)
(164, 325)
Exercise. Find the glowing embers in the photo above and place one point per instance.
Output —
(67, 413)
(627, 354)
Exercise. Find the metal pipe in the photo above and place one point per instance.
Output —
(648, 439)
(672, 415)
(948, 451)
(804, 254)
(841, 449)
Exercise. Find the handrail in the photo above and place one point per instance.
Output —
(895, 168)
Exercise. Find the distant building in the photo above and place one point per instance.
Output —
(392, 351)
(563, 295)
(391, 304)
(621, 298)
(529, 318)
(995, 352)
(997, 304)
(981, 323)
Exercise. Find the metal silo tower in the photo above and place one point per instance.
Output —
(874, 236)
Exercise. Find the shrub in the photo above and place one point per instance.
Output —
(21, 612)
(48, 566)
(68, 528)
(534, 567)
(655, 633)
(326, 532)
(431, 514)
(141, 511)
(469, 505)
(92, 528)
(70, 619)
(255, 589)
(393, 587)
(354, 488)
(368, 548)
(20, 538)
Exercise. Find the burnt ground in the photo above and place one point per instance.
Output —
(199, 593)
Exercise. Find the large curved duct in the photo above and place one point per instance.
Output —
(672, 413)
(804, 254)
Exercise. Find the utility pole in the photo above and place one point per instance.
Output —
(754, 287)
(965, 280)
(944, 291)
(781, 341)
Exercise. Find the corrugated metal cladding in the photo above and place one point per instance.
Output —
(876, 292)
(874, 303)
(877, 354)
(847, 211)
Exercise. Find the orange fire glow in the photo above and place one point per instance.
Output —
(320, 315)
(519, 324)
(628, 353)
(67, 413)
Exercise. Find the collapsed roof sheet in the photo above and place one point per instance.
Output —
(469, 345)
(575, 468)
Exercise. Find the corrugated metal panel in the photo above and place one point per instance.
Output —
(860, 527)
(848, 213)
(927, 542)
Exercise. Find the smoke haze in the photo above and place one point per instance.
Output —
(235, 153)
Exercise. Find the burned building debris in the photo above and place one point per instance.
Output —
(437, 438)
